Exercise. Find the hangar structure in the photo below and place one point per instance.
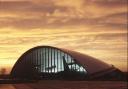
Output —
(47, 62)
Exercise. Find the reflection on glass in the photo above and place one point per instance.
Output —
(51, 60)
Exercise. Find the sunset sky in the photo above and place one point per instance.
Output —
(94, 27)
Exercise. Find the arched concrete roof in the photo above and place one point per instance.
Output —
(91, 64)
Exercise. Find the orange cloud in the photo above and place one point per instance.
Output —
(56, 13)
(94, 27)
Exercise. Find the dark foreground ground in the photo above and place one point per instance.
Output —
(47, 84)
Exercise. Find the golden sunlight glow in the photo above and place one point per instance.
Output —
(94, 27)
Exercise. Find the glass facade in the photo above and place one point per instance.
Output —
(51, 60)
(48, 60)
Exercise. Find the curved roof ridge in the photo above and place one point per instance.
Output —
(91, 64)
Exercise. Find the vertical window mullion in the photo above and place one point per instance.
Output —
(48, 59)
(54, 60)
(60, 61)
(51, 58)
(41, 60)
(57, 61)
(45, 58)
(67, 59)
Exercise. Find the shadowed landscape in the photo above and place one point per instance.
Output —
(55, 84)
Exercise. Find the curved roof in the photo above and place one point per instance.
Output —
(92, 65)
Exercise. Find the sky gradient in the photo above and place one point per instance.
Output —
(94, 27)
